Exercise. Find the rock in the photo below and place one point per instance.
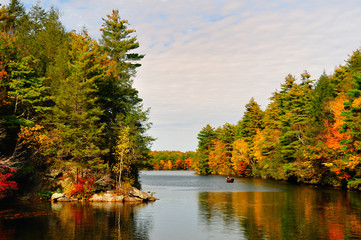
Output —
(152, 199)
(55, 173)
(134, 192)
(119, 198)
(60, 197)
(109, 197)
(104, 183)
(133, 199)
(97, 198)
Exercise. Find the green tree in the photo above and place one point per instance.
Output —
(46, 37)
(251, 121)
(323, 92)
(74, 123)
(352, 121)
(117, 97)
(226, 135)
(295, 101)
(16, 11)
(205, 143)
(119, 44)
(25, 97)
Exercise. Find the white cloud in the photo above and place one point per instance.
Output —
(206, 59)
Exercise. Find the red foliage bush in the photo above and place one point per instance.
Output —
(5, 183)
(83, 187)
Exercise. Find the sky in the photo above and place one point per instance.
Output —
(205, 59)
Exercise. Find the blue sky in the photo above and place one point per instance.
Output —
(205, 59)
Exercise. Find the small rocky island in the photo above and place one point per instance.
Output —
(133, 195)
(103, 190)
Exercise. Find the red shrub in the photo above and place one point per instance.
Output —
(83, 187)
(5, 183)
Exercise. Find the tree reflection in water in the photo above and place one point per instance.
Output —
(75, 221)
(102, 220)
(297, 213)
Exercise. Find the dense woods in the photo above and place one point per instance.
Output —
(69, 113)
(310, 132)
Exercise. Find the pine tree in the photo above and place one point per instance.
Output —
(352, 122)
(251, 121)
(16, 11)
(117, 97)
(205, 145)
(74, 124)
(295, 102)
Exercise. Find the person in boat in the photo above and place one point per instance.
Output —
(229, 179)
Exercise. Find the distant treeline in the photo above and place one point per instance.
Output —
(170, 160)
(310, 132)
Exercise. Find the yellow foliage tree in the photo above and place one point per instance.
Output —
(122, 150)
(169, 165)
(241, 158)
(258, 140)
(218, 158)
(161, 165)
(35, 139)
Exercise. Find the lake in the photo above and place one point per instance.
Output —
(195, 207)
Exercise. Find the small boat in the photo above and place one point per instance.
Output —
(230, 180)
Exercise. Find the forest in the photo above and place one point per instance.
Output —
(69, 113)
(310, 132)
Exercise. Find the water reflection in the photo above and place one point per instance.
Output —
(195, 207)
(74, 221)
(296, 213)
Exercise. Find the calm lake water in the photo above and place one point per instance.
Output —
(195, 207)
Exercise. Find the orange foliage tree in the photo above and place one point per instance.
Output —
(218, 158)
(331, 134)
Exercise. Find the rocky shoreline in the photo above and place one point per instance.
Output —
(133, 195)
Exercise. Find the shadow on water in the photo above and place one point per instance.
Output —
(73, 221)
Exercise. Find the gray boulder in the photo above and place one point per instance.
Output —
(60, 197)
(97, 198)
(136, 193)
(107, 197)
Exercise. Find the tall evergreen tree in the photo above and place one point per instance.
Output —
(205, 144)
(296, 118)
(74, 124)
(352, 122)
(17, 11)
(118, 98)
(251, 121)
(323, 92)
